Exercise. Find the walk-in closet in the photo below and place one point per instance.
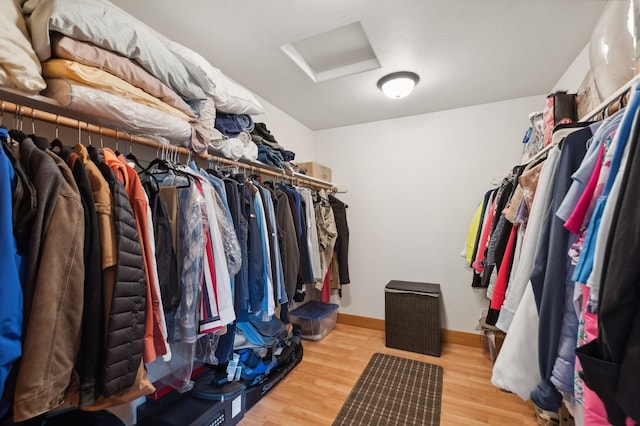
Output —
(319, 213)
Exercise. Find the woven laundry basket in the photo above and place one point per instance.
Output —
(412, 316)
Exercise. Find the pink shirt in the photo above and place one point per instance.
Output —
(577, 218)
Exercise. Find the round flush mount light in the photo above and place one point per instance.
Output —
(398, 84)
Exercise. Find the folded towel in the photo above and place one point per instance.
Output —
(245, 122)
(245, 137)
(236, 147)
(250, 151)
(233, 149)
(217, 144)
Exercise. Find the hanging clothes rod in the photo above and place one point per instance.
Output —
(59, 120)
(27, 112)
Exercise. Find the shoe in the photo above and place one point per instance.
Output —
(546, 418)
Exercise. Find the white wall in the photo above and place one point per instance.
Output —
(575, 74)
(290, 133)
(414, 184)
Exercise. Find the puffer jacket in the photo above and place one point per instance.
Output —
(127, 315)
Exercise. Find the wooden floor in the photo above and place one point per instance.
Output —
(314, 391)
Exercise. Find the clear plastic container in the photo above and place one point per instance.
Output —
(316, 319)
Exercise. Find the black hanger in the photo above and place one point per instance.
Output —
(56, 144)
(216, 173)
(539, 160)
(17, 135)
(143, 171)
(133, 158)
(166, 166)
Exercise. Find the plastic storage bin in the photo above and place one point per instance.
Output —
(412, 316)
(316, 319)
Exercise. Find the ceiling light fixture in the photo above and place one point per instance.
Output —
(398, 84)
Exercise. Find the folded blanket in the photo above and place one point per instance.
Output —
(288, 155)
(86, 53)
(233, 124)
(259, 140)
(250, 151)
(270, 156)
(260, 129)
(100, 79)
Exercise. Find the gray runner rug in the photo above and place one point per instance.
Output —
(394, 391)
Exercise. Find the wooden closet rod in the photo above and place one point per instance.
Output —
(26, 112)
(36, 114)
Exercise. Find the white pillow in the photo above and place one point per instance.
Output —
(105, 25)
(236, 99)
(229, 96)
(19, 65)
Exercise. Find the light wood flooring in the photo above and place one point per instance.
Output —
(313, 393)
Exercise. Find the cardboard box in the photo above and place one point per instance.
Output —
(316, 170)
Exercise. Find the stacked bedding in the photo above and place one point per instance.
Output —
(19, 65)
(97, 59)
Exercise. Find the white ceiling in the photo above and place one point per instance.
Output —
(467, 52)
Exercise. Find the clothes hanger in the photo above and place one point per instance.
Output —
(117, 151)
(16, 133)
(214, 168)
(3, 129)
(158, 161)
(17, 119)
(167, 165)
(134, 162)
(89, 135)
(56, 145)
(33, 121)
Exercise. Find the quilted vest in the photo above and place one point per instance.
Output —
(124, 343)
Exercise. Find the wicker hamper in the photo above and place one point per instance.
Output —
(412, 316)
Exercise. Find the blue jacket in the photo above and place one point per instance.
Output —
(10, 288)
